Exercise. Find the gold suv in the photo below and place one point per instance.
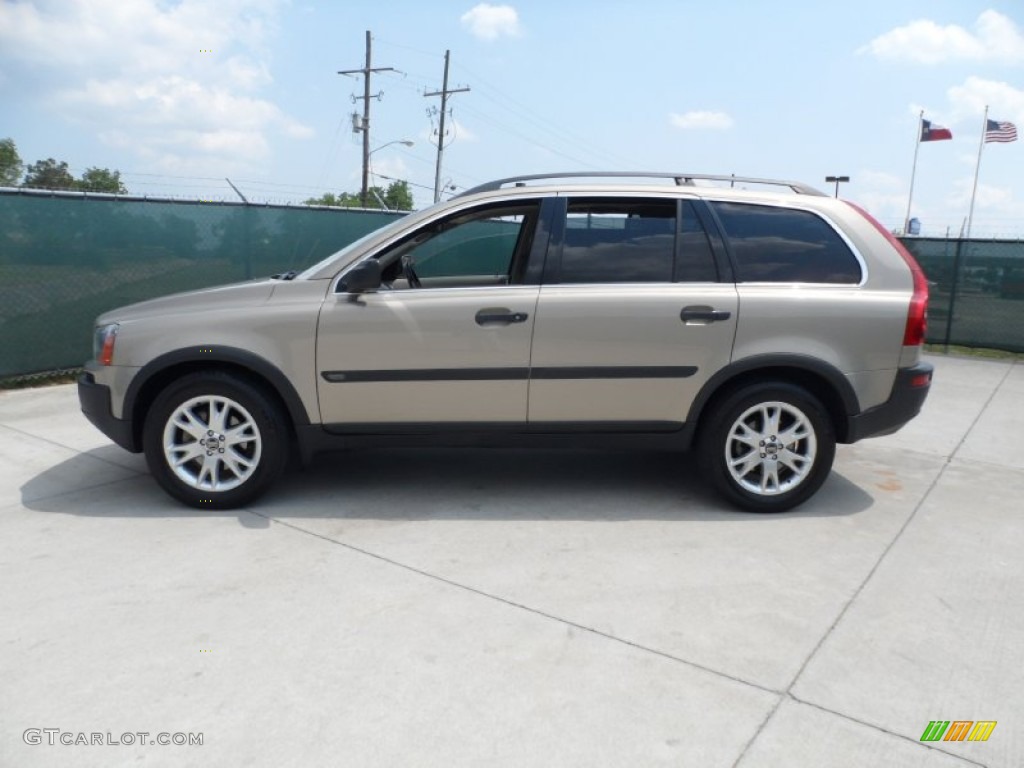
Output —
(759, 326)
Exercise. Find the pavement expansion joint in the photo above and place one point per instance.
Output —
(73, 449)
(522, 607)
(881, 729)
(981, 412)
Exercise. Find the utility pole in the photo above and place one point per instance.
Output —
(366, 71)
(443, 93)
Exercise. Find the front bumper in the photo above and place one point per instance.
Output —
(95, 402)
(908, 395)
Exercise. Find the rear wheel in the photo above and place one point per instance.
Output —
(214, 441)
(767, 447)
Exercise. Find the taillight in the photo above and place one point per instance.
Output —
(917, 314)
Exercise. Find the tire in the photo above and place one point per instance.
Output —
(221, 462)
(761, 466)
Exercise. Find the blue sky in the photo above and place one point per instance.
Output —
(178, 95)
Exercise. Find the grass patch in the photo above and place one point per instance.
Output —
(978, 352)
(50, 379)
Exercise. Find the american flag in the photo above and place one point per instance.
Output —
(1002, 132)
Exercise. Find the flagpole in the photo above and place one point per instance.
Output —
(977, 167)
(913, 173)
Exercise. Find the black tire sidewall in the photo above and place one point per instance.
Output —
(271, 425)
(718, 423)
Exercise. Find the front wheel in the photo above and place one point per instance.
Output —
(767, 447)
(214, 441)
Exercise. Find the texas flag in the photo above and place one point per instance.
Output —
(933, 132)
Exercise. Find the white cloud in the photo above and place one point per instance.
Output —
(389, 165)
(489, 22)
(162, 81)
(995, 37)
(881, 193)
(989, 197)
(880, 179)
(460, 132)
(969, 99)
(702, 119)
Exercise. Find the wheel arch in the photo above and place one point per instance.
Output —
(822, 380)
(153, 377)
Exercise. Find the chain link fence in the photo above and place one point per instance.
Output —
(976, 291)
(67, 257)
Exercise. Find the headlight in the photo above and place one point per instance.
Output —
(103, 343)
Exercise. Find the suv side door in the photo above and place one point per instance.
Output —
(635, 314)
(446, 339)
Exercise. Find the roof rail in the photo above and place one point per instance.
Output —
(681, 179)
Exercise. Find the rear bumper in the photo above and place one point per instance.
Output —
(94, 400)
(908, 395)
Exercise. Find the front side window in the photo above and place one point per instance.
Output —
(785, 245)
(485, 246)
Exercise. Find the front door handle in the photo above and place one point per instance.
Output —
(499, 316)
(707, 314)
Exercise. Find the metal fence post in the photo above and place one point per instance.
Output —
(957, 259)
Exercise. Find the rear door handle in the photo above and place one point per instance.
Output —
(707, 314)
(499, 316)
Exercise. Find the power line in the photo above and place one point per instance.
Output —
(524, 112)
(534, 142)
(431, 54)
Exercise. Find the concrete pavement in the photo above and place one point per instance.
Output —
(512, 608)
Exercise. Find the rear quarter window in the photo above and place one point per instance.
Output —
(784, 245)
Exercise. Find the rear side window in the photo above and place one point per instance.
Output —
(619, 242)
(782, 245)
(634, 241)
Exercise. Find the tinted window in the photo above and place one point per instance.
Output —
(782, 245)
(619, 242)
(695, 262)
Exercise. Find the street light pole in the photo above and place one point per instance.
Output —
(406, 142)
(837, 179)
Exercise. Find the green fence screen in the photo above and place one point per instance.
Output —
(66, 258)
(976, 291)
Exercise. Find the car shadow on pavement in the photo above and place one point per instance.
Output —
(445, 484)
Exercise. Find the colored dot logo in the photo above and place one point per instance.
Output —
(205, 50)
(206, 650)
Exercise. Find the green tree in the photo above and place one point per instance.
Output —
(397, 197)
(49, 174)
(344, 200)
(101, 180)
(11, 166)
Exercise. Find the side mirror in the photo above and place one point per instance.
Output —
(365, 276)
